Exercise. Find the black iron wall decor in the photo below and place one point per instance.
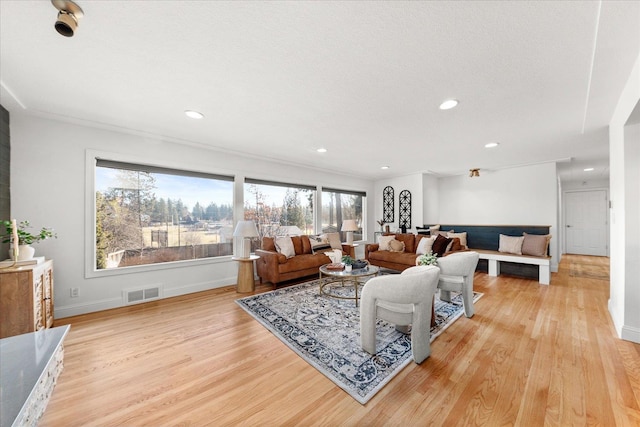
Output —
(387, 205)
(405, 209)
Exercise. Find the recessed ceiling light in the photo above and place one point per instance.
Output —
(193, 114)
(449, 104)
(588, 169)
(321, 150)
(384, 167)
(491, 145)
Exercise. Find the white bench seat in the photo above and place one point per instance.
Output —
(494, 258)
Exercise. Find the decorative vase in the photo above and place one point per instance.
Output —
(25, 252)
(348, 268)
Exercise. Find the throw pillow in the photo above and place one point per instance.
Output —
(322, 248)
(454, 245)
(535, 244)
(333, 239)
(318, 244)
(383, 242)
(396, 246)
(511, 244)
(284, 245)
(440, 245)
(462, 236)
(433, 230)
(425, 245)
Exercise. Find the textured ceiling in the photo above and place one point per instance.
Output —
(363, 79)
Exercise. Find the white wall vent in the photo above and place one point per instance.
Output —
(138, 295)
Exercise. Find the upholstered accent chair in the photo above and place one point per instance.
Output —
(456, 274)
(402, 299)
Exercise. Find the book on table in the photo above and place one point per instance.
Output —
(33, 261)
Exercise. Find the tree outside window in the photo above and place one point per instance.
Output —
(148, 215)
(279, 209)
(339, 205)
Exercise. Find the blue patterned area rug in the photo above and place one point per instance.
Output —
(325, 332)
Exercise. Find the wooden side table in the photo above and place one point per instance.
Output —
(246, 278)
(352, 248)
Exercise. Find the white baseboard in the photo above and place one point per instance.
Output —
(625, 332)
(106, 304)
(630, 334)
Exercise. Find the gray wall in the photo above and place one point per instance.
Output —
(5, 181)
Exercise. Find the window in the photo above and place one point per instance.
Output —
(150, 215)
(279, 209)
(338, 205)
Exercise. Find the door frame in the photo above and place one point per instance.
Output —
(564, 215)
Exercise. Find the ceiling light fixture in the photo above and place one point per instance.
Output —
(474, 172)
(321, 150)
(491, 145)
(68, 16)
(193, 114)
(449, 104)
(588, 169)
(384, 167)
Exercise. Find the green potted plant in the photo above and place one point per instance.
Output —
(348, 262)
(427, 259)
(25, 238)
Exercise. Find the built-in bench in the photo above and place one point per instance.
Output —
(494, 259)
(485, 239)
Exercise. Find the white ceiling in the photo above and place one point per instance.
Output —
(280, 79)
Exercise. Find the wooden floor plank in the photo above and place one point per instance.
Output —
(532, 355)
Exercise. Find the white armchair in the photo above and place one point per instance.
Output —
(402, 299)
(456, 274)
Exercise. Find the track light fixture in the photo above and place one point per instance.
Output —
(68, 16)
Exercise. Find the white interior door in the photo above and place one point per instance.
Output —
(586, 222)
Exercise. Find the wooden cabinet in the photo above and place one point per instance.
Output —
(26, 299)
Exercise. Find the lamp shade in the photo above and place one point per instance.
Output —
(349, 225)
(246, 229)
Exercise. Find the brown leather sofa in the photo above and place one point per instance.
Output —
(273, 267)
(400, 261)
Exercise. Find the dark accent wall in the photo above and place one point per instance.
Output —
(5, 175)
(488, 237)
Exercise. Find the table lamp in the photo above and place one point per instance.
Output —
(245, 230)
(349, 225)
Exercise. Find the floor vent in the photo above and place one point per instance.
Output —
(135, 296)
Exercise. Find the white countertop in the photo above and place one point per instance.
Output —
(23, 360)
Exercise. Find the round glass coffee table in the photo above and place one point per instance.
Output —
(342, 276)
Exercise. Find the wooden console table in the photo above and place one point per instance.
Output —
(26, 299)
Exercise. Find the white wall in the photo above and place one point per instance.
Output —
(595, 184)
(430, 208)
(526, 195)
(624, 297)
(413, 183)
(48, 177)
(632, 229)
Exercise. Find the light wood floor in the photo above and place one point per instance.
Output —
(532, 355)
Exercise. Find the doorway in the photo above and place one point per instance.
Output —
(586, 222)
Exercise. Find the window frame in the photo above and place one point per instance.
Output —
(362, 194)
(282, 184)
(91, 161)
